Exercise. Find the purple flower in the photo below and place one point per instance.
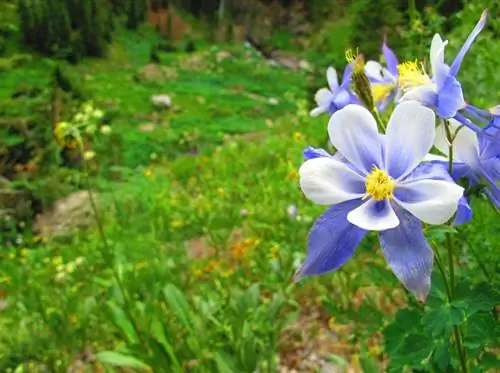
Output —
(334, 98)
(476, 156)
(384, 81)
(378, 184)
(443, 92)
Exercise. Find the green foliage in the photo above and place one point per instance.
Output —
(68, 29)
(421, 338)
(194, 273)
(371, 21)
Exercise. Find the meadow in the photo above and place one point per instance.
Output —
(194, 225)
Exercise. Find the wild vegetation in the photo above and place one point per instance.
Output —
(151, 216)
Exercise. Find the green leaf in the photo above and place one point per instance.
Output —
(490, 361)
(225, 364)
(178, 303)
(122, 321)
(158, 333)
(117, 359)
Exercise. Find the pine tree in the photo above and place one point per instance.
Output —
(132, 15)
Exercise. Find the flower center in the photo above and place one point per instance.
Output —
(379, 185)
(411, 74)
(381, 91)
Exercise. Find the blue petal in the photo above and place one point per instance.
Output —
(332, 240)
(450, 98)
(310, 153)
(466, 122)
(346, 78)
(390, 59)
(455, 66)
(435, 170)
(464, 212)
(408, 254)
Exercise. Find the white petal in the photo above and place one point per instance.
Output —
(327, 181)
(374, 216)
(432, 201)
(353, 132)
(465, 144)
(437, 53)
(331, 77)
(318, 111)
(323, 97)
(374, 70)
(440, 141)
(409, 137)
(433, 157)
(425, 94)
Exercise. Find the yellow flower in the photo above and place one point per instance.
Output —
(88, 155)
(105, 130)
(148, 172)
(176, 223)
(57, 260)
(298, 137)
(60, 277)
(292, 175)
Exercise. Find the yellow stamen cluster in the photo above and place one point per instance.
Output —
(379, 185)
(380, 92)
(412, 74)
(350, 56)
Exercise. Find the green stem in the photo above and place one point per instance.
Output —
(457, 331)
(475, 255)
(380, 123)
(109, 251)
(449, 138)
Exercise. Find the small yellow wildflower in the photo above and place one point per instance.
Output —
(105, 130)
(70, 267)
(176, 223)
(298, 137)
(57, 260)
(88, 155)
(148, 172)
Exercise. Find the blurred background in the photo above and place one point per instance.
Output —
(187, 119)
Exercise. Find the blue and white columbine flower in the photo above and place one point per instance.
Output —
(378, 184)
(476, 156)
(334, 98)
(443, 92)
(384, 81)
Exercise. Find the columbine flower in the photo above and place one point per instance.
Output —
(378, 184)
(384, 80)
(443, 92)
(476, 156)
(337, 96)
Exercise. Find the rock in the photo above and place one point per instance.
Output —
(161, 101)
(67, 214)
(222, 55)
(147, 127)
(153, 73)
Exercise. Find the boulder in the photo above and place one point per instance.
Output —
(66, 215)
